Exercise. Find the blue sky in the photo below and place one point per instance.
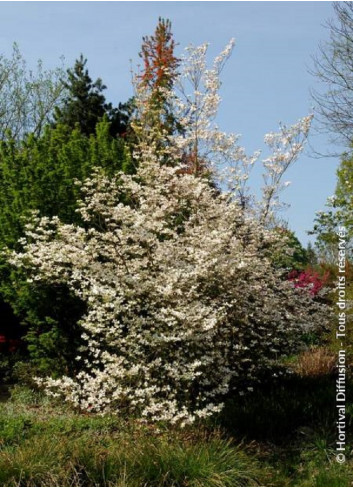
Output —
(265, 81)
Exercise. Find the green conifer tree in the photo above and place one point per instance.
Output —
(85, 105)
(39, 174)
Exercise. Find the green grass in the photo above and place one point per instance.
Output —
(96, 460)
(42, 446)
(291, 425)
(283, 434)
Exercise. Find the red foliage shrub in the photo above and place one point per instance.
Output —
(309, 279)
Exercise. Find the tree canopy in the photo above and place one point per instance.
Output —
(28, 98)
(85, 104)
(333, 66)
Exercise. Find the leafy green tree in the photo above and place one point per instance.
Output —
(292, 256)
(39, 174)
(27, 97)
(344, 193)
(339, 213)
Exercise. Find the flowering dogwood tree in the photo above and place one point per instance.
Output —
(183, 303)
(196, 101)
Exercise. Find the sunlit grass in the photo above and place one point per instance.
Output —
(282, 434)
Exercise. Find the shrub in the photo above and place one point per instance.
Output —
(309, 279)
(182, 303)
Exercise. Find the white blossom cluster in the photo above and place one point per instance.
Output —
(183, 304)
(196, 101)
(285, 146)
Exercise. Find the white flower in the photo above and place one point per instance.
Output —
(182, 301)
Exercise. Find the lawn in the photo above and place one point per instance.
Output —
(281, 434)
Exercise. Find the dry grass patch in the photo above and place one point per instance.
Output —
(316, 362)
